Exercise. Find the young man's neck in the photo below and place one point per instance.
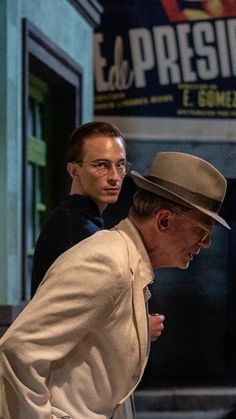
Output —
(101, 205)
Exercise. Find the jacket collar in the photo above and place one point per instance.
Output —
(137, 253)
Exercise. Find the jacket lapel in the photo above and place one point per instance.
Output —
(142, 274)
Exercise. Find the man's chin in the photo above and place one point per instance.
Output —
(111, 199)
(184, 266)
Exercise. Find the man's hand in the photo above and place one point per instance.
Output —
(156, 325)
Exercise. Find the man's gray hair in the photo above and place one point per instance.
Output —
(146, 203)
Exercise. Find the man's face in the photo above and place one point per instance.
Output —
(185, 234)
(191, 233)
(90, 181)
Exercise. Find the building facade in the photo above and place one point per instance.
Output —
(46, 89)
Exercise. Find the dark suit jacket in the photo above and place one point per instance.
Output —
(76, 218)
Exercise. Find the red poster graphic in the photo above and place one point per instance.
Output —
(179, 10)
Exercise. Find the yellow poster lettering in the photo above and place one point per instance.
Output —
(225, 99)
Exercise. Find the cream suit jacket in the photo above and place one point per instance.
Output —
(80, 346)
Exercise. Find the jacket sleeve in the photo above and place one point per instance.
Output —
(54, 239)
(77, 293)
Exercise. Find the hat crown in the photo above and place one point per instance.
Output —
(191, 173)
(186, 180)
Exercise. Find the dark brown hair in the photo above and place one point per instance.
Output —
(89, 130)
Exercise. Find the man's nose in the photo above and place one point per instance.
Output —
(113, 173)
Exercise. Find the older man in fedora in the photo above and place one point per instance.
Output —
(79, 349)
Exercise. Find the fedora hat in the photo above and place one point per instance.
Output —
(187, 180)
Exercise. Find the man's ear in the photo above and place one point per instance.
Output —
(72, 170)
(164, 222)
(163, 219)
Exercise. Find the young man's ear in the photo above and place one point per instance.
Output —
(72, 170)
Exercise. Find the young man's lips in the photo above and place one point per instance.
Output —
(113, 190)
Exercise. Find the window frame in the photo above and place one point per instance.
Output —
(57, 65)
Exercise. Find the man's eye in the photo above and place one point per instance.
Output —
(201, 231)
(120, 165)
(102, 165)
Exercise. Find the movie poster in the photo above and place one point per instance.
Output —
(166, 59)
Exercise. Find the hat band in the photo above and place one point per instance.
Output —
(194, 198)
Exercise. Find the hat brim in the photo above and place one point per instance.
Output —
(150, 186)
